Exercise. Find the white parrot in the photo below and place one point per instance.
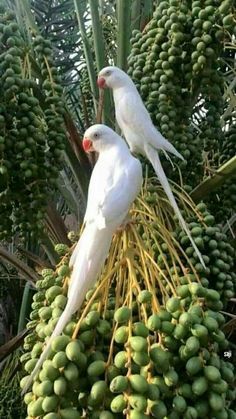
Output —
(139, 131)
(115, 182)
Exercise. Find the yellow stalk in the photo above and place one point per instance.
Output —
(131, 265)
(50, 74)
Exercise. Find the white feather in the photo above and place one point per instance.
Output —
(135, 122)
(153, 156)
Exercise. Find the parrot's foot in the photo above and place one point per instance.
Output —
(168, 158)
(128, 220)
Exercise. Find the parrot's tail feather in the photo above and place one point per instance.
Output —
(171, 149)
(81, 244)
(73, 255)
(153, 156)
(63, 320)
(168, 158)
(88, 263)
(89, 260)
(163, 144)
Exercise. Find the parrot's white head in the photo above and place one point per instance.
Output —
(113, 77)
(99, 137)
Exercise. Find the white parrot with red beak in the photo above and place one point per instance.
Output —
(115, 182)
(139, 131)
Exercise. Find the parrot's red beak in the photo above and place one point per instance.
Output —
(87, 145)
(101, 82)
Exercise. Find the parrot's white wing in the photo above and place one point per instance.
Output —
(111, 192)
(131, 111)
(136, 124)
(109, 195)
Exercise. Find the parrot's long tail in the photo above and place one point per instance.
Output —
(73, 256)
(165, 145)
(91, 253)
(153, 156)
(63, 320)
(81, 244)
(88, 263)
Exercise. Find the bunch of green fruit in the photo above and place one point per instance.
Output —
(223, 201)
(140, 347)
(32, 132)
(218, 254)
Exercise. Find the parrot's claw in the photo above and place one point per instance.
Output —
(128, 220)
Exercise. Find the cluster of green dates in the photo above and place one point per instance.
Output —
(32, 132)
(218, 255)
(175, 65)
(229, 145)
(128, 360)
(87, 99)
(217, 252)
(194, 379)
(225, 201)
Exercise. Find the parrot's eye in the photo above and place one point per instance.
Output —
(108, 72)
(96, 135)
